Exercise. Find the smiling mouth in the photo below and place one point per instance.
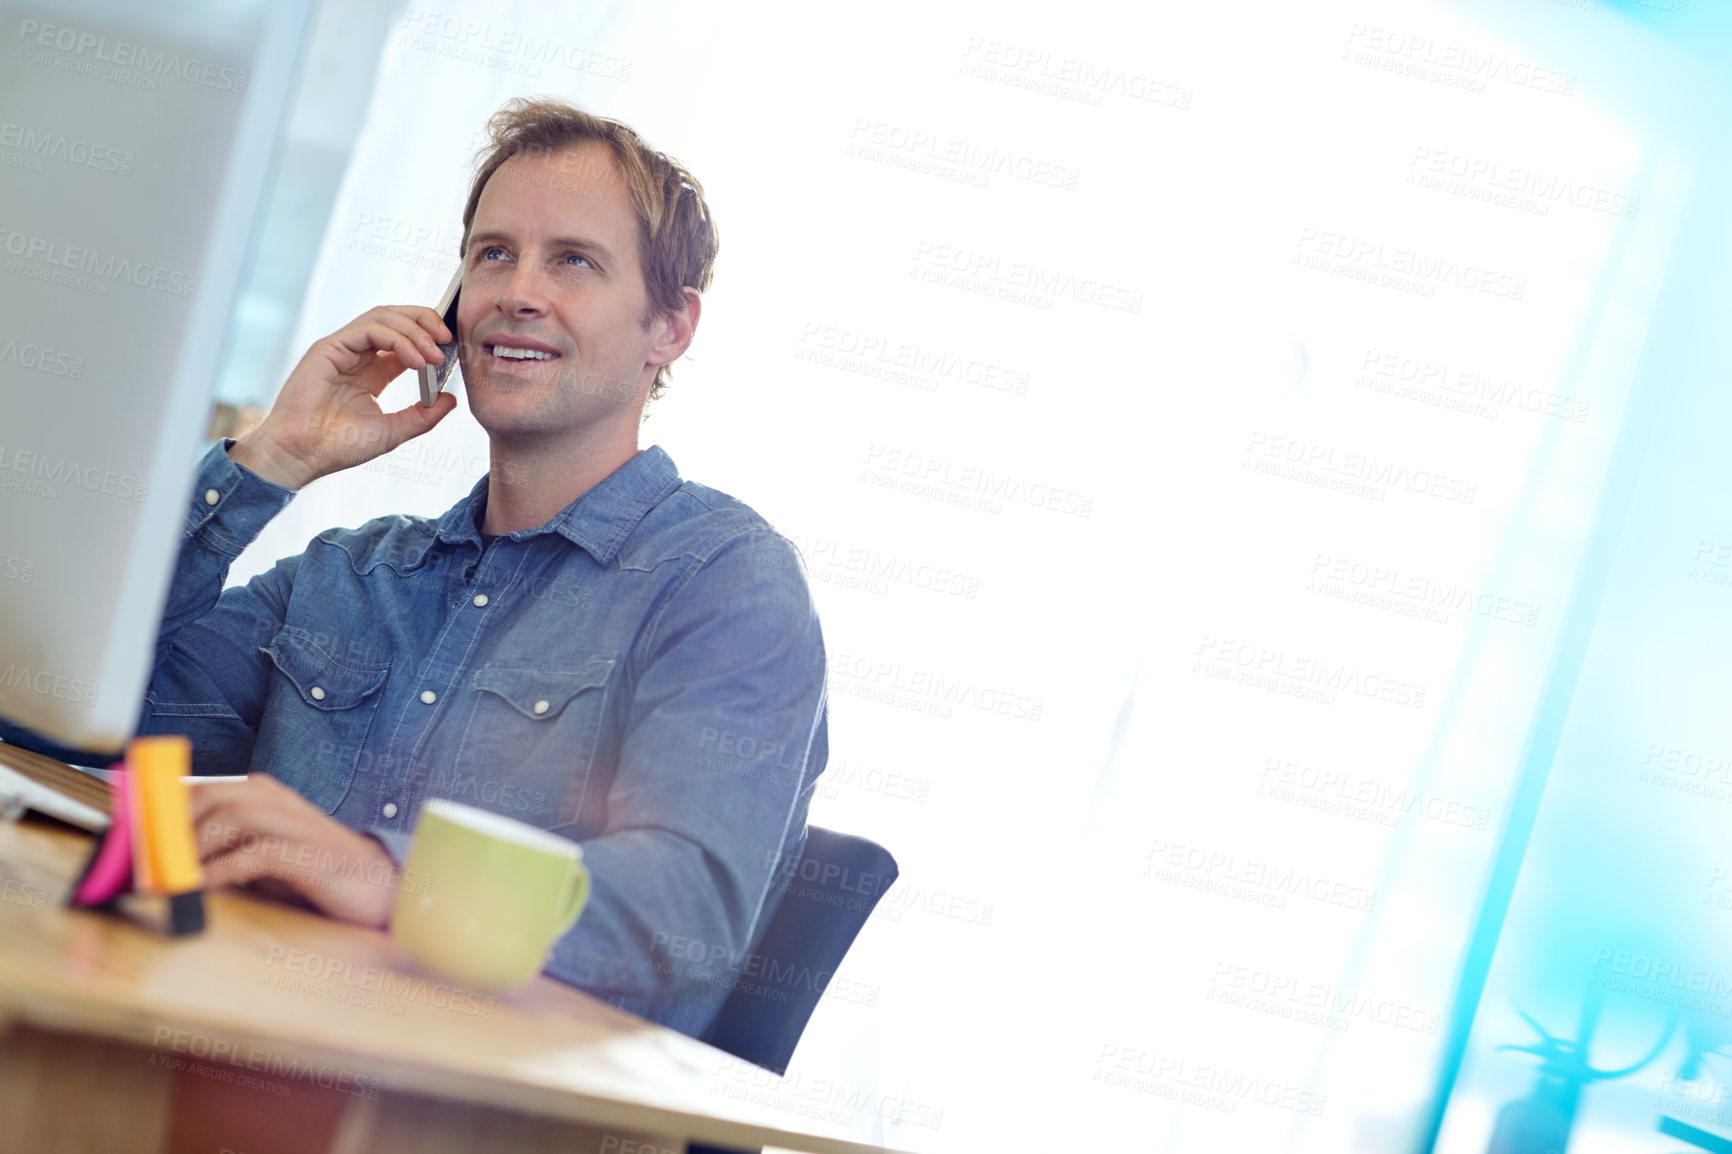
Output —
(511, 353)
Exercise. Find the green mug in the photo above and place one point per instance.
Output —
(484, 896)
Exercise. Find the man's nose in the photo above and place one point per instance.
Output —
(525, 294)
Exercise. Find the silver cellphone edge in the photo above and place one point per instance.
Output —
(433, 376)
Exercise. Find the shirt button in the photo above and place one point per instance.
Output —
(390, 809)
(316, 693)
(480, 600)
(542, 706)
(428, 697)
(211, 496)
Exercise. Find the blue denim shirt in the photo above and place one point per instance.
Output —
(644, 674)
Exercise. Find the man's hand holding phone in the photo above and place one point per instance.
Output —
(327, 418)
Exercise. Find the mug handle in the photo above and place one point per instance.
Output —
(576, 897)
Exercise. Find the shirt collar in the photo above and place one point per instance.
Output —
(597, 522)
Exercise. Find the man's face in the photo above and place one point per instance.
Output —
(551, 314)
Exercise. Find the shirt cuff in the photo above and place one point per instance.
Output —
(231, 505)
(395, 841)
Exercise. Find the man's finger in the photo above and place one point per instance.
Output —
(264, 875)
(411, 421)
(224, 830)
(430, 320)
(418, 326)
(385, 367)
(207, 798)
(241, 829)
(420, 316)
(364, 341)
(351, 880)
(257, 824)
(208, 795)
(401, 344)
(232, 869)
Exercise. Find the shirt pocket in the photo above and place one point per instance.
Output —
(530, 742)
(317, 717)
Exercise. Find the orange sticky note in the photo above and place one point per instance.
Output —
(158, 764)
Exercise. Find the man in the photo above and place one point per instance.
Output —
(585, 642)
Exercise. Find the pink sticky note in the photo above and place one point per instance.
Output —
(112, 870)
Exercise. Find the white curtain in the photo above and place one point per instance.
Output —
(1192, 417)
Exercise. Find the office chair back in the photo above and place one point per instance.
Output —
(824, 902)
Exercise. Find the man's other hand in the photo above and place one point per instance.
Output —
(261, 829)
(328, 418)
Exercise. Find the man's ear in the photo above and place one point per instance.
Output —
(674, 330)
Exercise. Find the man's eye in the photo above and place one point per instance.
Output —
(577, 258)
(492, 251)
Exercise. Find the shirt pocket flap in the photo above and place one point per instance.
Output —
(541, 692)
(322, 681)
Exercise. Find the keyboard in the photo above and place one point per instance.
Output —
(31, 781)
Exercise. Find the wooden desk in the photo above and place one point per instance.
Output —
(277, 1031)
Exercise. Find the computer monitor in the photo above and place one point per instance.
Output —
(135, 142)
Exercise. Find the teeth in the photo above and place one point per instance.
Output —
(521, 354)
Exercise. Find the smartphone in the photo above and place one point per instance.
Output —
(433, 376)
